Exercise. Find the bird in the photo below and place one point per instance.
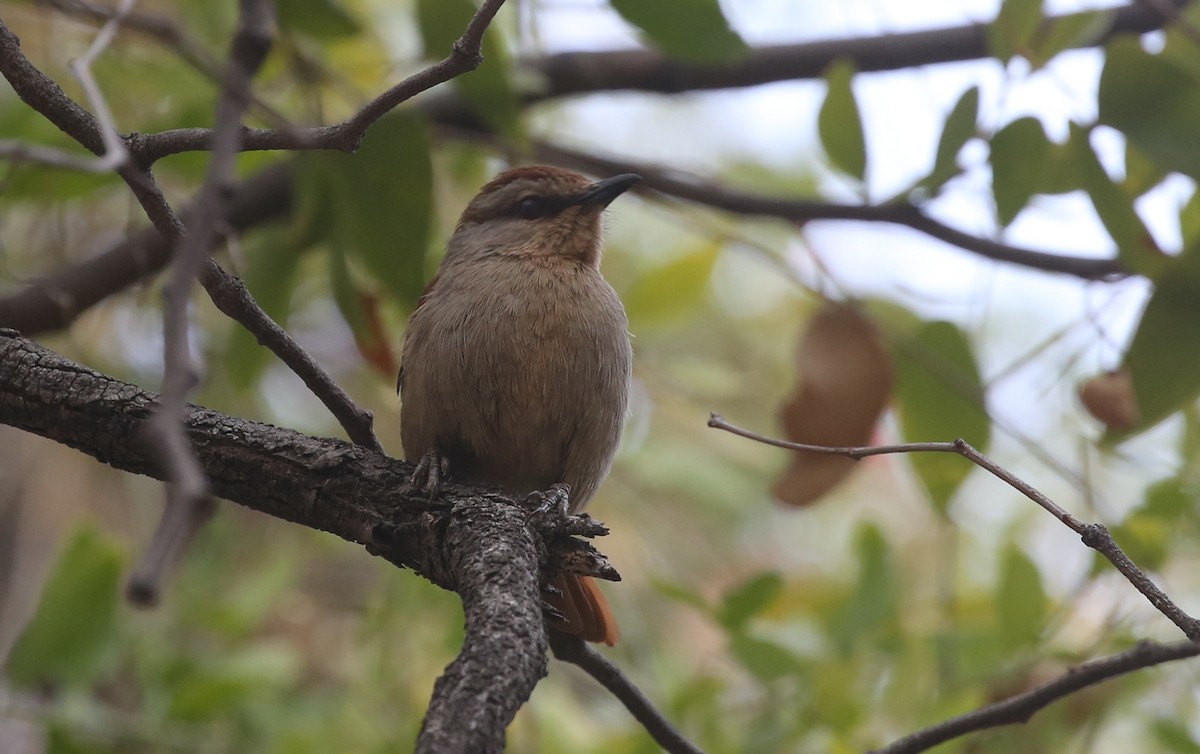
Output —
(516, 362)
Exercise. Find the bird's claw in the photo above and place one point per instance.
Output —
(553, 614)
(554, 501)
(429, 472)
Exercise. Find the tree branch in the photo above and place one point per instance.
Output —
(1020, 708)
(55, 300)
(1095, 536)
(574, 73)
(41, 93)
(800, 211)
(474, 541)
(574, 650)
(189, 505)
(463, 57)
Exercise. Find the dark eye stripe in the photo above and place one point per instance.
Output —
(535, 207)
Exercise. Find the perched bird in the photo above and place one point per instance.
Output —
(516, 363)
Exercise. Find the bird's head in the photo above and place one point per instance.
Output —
(539, 212)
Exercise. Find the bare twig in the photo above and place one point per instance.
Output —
(573, 650)
(1019, 708)
(189, 505)
(1095, 536)
(115, 154)
(169, 34)
(18, 151)
(463, 57)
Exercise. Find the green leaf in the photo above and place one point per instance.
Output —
(1164, 356)
(1136, 248)
(1141, 172)
(668, 293)
(1175, 736)
(1066, 32)
(765, 660)
(1167, 499)
(1015, 28)
(320, 19)
(1154, 102)
(872, 608)
(1020, 157)
(381, 201)
(488, 89)
(939, 397)
(958, 129)
(1020, 599)
(840, 123)
(75, 617)
(695, 31)
(680, 593)
(748, 599)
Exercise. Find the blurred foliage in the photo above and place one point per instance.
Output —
(915, 590)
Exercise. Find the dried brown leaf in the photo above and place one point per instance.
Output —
(845, 380)
(1110, 398)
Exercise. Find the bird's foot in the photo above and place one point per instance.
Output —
(551, 509)
(430, 471)
(556, 500)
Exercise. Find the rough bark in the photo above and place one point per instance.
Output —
(481, 544)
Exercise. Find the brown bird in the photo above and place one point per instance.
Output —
(516, 363)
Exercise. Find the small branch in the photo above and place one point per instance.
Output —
(189, 505)
(573, 650)
(115, 154)
(55, 300)
(230, 296)
(799, 211)
(70, 291)
(164, 31)
(464, 56)
(1019, 708)
(1095, 536)
(17, 151)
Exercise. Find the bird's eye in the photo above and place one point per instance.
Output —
(533, 207)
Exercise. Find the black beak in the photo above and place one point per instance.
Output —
(601, 193)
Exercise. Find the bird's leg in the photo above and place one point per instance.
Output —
(430, 471)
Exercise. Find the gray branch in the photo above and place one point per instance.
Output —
(473, 541)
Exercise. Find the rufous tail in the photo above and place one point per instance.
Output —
(588, 614)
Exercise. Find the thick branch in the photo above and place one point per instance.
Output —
(574, 73)
(54, 301)
(473, 541)
(494, 561)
